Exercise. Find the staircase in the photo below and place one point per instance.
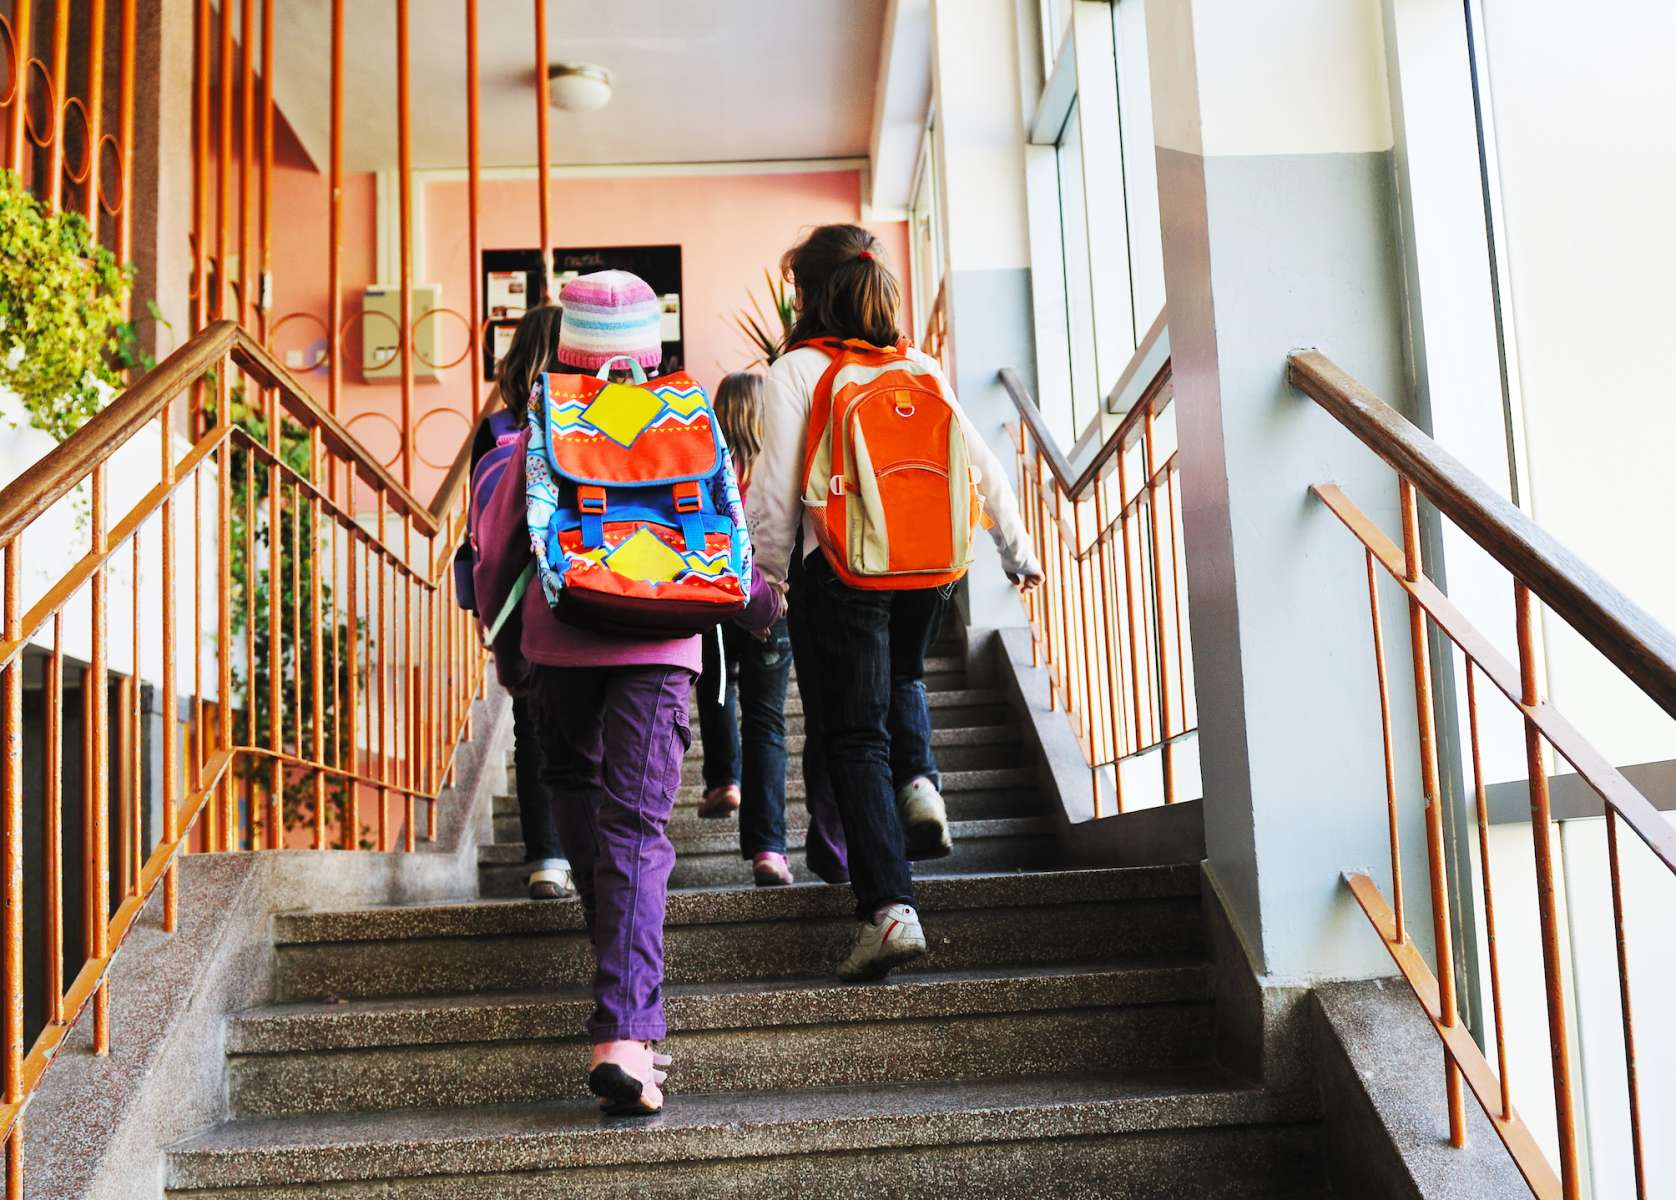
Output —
(1059, 1035)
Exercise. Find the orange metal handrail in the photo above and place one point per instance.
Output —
(1109, 621)
(1644, 650)
(430, 668)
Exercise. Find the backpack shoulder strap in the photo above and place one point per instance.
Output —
(513, 599)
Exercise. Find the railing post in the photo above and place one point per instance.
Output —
(1442, 934)
(1553, 968)
(99, 881)
(11, 856)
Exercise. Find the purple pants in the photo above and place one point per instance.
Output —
(612, 743)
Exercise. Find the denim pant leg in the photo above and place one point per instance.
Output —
(536, 816)
(914, 620)
(565, 708)
(824, 847)
(764, 668)
(635, 720)
(717, 726)
(850, 633)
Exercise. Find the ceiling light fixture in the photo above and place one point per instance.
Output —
(579, 87)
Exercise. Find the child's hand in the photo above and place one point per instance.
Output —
(1028, 579)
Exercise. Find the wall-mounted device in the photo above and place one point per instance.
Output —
(381, 343)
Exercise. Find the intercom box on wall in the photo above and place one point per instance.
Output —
(381, 307)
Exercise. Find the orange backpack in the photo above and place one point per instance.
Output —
(886, 473)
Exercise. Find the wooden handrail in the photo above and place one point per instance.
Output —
(1629, 637)
(1076, 486)
(66, 465)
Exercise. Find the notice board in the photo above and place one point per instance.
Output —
(512, 281)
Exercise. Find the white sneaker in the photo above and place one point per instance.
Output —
(925, 820)
(551, 883)
(895, 938)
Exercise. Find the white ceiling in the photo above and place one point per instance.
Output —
(695, 80)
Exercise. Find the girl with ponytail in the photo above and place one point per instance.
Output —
(860, 653)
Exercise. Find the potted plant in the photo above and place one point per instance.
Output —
(766, 336)
(63, 342)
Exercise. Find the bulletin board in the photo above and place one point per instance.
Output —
(512, 281)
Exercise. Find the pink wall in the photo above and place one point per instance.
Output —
(729, 228)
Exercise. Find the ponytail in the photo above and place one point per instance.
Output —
(844, 288)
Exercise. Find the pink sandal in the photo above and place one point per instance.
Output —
(625, 1076)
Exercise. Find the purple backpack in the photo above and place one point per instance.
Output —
(504, 427)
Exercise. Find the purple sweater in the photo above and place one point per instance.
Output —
(535, 635)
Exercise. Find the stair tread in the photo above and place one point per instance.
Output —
(410, 1142)
(720, 905)
(723, 838)
(559, 1012)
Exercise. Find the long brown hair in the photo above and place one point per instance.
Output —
(738, 408)
(533, 349)
(844, 288)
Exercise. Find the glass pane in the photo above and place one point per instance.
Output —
(1079, 284)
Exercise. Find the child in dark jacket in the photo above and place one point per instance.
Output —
(533, 351)
(611, 713)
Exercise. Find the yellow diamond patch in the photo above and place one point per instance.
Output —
(686, 404)
(646, 557)
(622, 413)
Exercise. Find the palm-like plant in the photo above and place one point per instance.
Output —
(767, 338)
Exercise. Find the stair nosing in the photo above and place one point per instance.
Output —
(730, 905)
(417, 1143)
(551, 1015)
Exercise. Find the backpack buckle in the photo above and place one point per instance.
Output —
(687, 498)
(590, 500)
(835, 485)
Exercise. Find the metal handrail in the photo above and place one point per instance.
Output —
(1626, 635)
(396, 623)
(1108, 622)
(1629, 637)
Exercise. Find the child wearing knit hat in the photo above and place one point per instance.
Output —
(607, 315)
(610, 713)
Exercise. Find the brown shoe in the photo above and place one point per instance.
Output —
(719, 802)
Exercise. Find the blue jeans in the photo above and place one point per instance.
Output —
(536, 816)
(750, 750)
(862, 679)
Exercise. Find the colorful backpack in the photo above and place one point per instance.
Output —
(504, 427)
(887, 475)
(634, 511)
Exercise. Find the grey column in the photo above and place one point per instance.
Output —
(1274, 177)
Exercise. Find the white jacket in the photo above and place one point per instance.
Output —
(774, 504)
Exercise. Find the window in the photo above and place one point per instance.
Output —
(1095, 211)
(925, 233)
(1079, 281)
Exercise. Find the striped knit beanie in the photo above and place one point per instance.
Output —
(606, 314)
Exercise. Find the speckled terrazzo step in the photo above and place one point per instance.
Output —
(358, 1056)
(1001, 748)
(1152, 1135)
(1063, 917)
(1022, 778)
(707, 854)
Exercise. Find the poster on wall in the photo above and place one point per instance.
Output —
(504, 270)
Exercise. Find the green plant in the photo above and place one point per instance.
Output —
(767, 338)
(293, 658)
(62, 334)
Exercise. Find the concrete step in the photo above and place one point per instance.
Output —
(523, 1048)
(709, 855)
(1002, 749)
(1146, 1135)
(738, 934)
(984, 805)
(956, 783)
(937, 699)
